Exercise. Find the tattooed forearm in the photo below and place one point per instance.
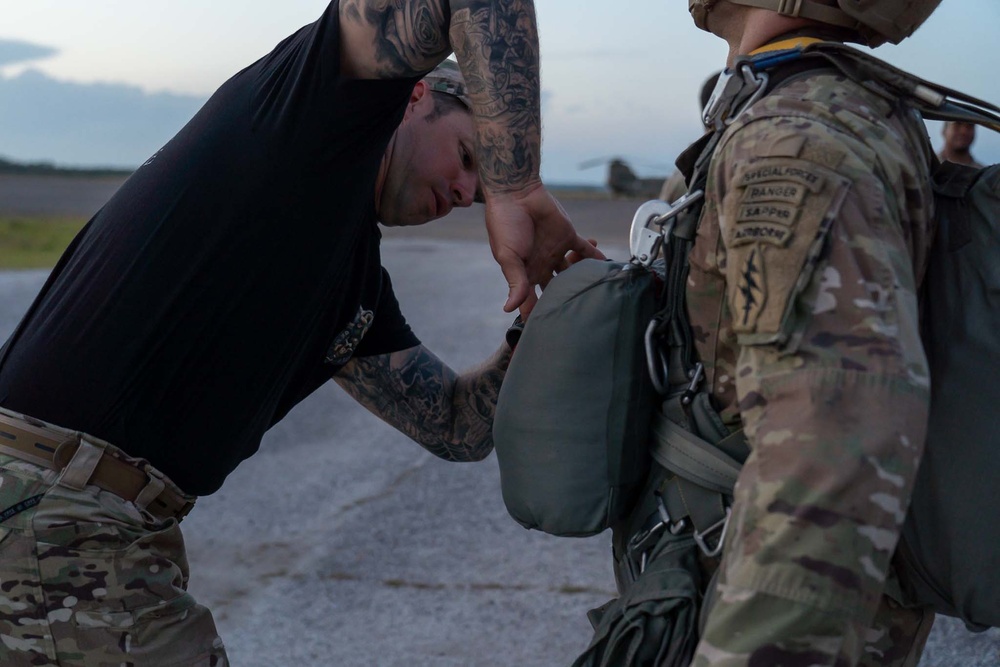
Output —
(450, 415)
(410, 36)
(497, 46)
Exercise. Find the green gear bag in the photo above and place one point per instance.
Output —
(949, 552)
(655, 622)
(949, 556)
(573, 414)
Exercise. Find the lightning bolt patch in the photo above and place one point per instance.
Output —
(751, 291)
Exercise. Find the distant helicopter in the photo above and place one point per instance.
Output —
(623, 182)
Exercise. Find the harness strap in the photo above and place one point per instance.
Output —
(685, 454)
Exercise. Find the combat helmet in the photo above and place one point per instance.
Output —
(876, 21)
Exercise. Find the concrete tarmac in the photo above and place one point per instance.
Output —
(343, 543)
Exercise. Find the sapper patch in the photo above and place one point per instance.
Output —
(775, 220)
(765, 222)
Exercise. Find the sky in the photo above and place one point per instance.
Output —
(107, 82)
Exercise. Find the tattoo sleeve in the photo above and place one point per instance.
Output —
(496, 44)
(410, 36)
(450, 415)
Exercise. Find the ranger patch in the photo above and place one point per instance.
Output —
(790, 193)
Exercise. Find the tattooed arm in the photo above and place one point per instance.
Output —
(451, 415)
(496, 44)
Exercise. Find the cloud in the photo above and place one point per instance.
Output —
(102, 124)
(14, 51)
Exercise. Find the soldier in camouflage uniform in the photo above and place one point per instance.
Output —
(802, 297)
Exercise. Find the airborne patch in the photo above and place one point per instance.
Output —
(754, 232)
(751, 291)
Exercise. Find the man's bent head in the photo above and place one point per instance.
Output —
(430, 164)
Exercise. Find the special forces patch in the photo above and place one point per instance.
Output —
(777, 214)
(347, 341)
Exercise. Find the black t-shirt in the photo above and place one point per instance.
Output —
(229, 277)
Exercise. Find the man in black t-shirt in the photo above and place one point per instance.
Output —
(235, 272)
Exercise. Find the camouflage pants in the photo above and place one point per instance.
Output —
(895, 638)
(88, 579)
(815, 522)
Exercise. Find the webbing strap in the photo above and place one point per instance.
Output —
(693, 458)
(688, 500)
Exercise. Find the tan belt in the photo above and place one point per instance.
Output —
(52, 449)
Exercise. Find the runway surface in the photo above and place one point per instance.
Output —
(343, 543)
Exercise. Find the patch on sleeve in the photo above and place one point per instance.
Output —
(751, 290)
(777, 214)
(347, 341)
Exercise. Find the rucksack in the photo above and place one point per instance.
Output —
(949, 555)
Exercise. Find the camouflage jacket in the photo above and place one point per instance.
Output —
(802, 296)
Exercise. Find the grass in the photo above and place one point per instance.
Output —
(35, 242)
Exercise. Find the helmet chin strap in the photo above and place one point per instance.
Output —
(699, 12)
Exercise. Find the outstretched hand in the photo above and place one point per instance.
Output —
(532, 239)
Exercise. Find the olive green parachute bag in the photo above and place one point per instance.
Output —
(573, 413)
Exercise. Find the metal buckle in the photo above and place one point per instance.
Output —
(789, 7)
(184, 511)
(675, 527)
(717, 527)
(640, 544)
(696, 375)
(735, 91)
(644, 243)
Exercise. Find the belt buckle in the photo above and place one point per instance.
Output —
(157, 495)
(185, 510)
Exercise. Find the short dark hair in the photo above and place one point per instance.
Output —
(444, 104)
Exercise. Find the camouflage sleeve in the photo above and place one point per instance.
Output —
(832, 385)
